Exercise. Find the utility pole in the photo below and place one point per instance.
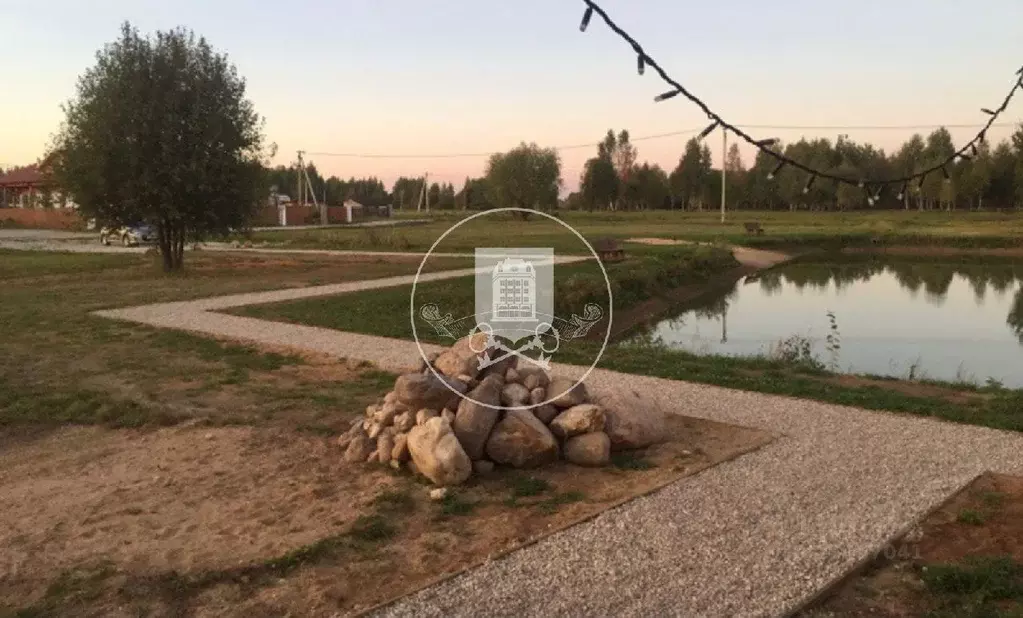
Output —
(724, 157)
(301, 186)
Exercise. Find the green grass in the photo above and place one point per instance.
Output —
(783, 229)
(454, 504)
(523, 486)
(59, 365)
(971, 517)
(628, 460)
(550, 505)
(989, 587)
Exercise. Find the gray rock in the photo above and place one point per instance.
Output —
(566, 393)
(418, 390)
(520, 440)
(371, 410)
(469, 380)
(537, 395)
(588, 449)
(437, 453)
(385, 415)
(514, 394)
(425, 414)
(546, 413)
(346, 438)
(400, 450)
(390, 397)
(533, 375)
(453, 364)
(448, 415)
(474, 421)
(633, 420)
(465, 345)
(511, 376)
(374, 457)
(374, 430)
(404, 421)
(584, 418)
(384, 447)
(482, 467)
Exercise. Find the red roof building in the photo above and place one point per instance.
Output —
(30, 187)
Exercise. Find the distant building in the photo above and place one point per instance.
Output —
(31, 187)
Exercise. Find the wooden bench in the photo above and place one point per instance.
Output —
(753, 227)
(608, 250)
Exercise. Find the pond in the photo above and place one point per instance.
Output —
(941, 320)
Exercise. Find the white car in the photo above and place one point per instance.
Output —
(128, 236)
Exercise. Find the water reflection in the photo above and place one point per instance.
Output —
(893, 314)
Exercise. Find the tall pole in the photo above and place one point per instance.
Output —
(301, 180)
(724, 157)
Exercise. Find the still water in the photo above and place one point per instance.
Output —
(937, 320)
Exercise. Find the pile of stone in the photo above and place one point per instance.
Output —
(426, 425)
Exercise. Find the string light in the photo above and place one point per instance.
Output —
(922, 179)
(764, 144)
(809, 184)
(902, 191)
(973, 147)
(710, 129)
(666, 95)
(586, 19)
(944, 172)
(775, 171)
(640, 64)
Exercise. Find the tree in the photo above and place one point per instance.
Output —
(649, 186)
(691, 179)
(160, 131)
(525, 177)
(599, 184)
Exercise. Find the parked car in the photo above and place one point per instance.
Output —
(129, 235)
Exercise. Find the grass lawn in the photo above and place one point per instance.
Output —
(385, 313)
(782, 229)
(60, 365)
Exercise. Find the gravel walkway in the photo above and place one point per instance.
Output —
(752, 537)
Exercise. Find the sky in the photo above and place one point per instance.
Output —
(405, 79)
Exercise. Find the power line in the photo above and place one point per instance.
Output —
(908, 127)
(764, 145)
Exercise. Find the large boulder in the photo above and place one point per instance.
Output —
(546, 413)
(583, 418)
(359, 448)
(474, 421)
(514, 395)
(453, 365)
(632, 420)
(532, 376)
(426, 390)
(437, 454)
(589, 449)
(566, 393)
(520, 440)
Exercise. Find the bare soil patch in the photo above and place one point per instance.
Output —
(264, 522)
(965, 559)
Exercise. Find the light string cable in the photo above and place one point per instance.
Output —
(643, 60)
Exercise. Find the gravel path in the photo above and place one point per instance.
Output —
(752, 537)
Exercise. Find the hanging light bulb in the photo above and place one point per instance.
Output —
(710, 128)
(973, 147)
(764, 143)
(902, 191)
(776, 170)
(923, 177)
(987, 111)
(964, 156)
(664, 96)
(809, 184)
(861, 184)
(944, 172)
(877, 194)
(640, 63)
(586, 19)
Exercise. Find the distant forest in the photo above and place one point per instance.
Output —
(613, 179)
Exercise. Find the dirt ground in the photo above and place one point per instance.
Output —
(203, 521)
(965, 559)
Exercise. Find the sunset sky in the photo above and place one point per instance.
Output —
(396, 77)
